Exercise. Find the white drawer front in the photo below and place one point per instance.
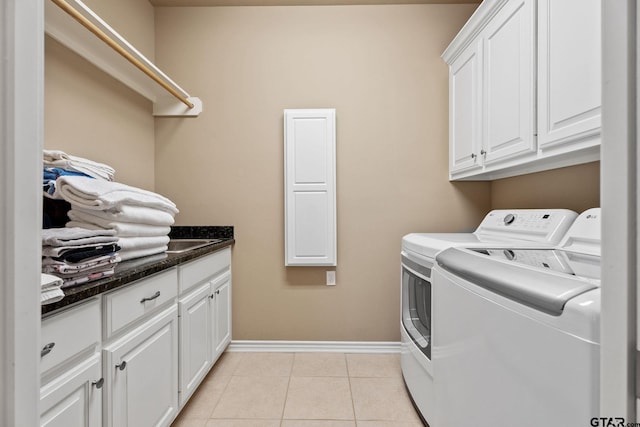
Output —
(67, 334)
(125, 306)
(202, 269)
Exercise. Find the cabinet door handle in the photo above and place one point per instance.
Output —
(98, 384)
(151, 298)
(122, 365)
(47, 349)
(218, 292)
(211, 296)
(484, 153)
(473, 155)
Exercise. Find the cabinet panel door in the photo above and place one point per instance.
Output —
(310, 187)
(509, 82)
(144, 392)
(195, 339)
(465, 91)
(222, 313)
(71, 399)
(569, 70)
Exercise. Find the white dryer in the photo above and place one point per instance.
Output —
(525, 228)
(518, 332)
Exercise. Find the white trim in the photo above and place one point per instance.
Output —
(315, 346)
(21, 139)
(474, 26)
(618, 200)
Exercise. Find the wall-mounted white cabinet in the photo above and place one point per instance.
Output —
(524, 91)
(465, 109)
(569, 73)
(310, 187)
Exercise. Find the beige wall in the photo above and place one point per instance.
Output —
(380, 67)
(576, 188)
(90, 114)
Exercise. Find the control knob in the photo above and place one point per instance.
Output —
(509, 218)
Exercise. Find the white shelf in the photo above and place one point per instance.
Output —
(66, 30)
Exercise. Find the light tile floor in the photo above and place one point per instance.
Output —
(301, 390)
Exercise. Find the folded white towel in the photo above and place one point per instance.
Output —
(51, 295)
(93, 194)
(132, 243)
(76, 236)
(49, 281)
(124, 229)
(124, 213)
(137, 253)
(60, 159)
(50, 291)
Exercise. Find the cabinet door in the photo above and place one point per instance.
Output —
(74, 398)
(465, 83)
(509, 88)
(141, 369)
(195, 338)
(222, 314)
(569, 71)
(310, 187)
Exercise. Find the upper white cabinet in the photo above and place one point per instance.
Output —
(569, 73)
(515, 108)
(465, 109)
(508, 83)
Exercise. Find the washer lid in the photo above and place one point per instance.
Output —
(429, 244)
(503, 272)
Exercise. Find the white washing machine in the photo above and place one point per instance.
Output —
(518, 331)
(516, 228)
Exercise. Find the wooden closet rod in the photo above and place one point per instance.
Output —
(105, 38)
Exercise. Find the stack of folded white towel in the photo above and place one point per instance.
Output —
(78, 255)
(141, 219)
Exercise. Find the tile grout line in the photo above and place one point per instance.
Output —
(286, 395)
(353, 405)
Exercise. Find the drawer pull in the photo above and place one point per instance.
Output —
(47, 349)
(98, 384)
(156, 295)
(122, 365)
(218, 292)
(211, 296)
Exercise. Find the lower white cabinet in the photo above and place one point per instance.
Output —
(141, 371)
(205, 317)
(221, 314)
(196, 333)
(71, 392)
(74, 398)
(133, 357)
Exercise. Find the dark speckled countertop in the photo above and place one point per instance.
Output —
(129, 271)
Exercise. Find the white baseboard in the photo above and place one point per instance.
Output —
(315, 346)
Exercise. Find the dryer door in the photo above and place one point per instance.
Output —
(416, 304)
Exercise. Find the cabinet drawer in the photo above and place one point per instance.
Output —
(125, 306)
(202, 269)
(67, 334)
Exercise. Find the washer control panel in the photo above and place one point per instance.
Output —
(538, 225)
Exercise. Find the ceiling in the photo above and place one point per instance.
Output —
(177, 3)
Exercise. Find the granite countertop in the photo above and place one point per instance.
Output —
(129, 271)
